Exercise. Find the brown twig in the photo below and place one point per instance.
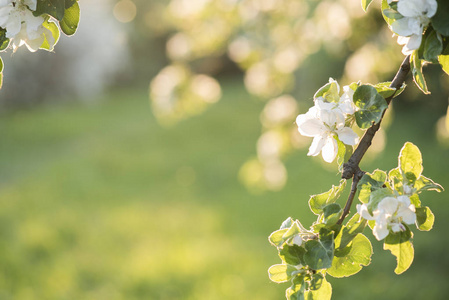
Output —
(351, 169)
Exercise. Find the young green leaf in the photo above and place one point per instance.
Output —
(281, 273)
(371, 106)
(424, 218)
(386, 91)
(350, 260)
(369, 183)
(69, 24)
(323, 293)
(443, 59)
(365, 4)
(418, 76)
(349, 231)
(390, 15)
(320, 251)
(426, 184)
(401, 247)
(410, 162)
(277, 237)
(332, 213)
(296, 291)
(433, 46)
(292, 255)
(52, 38)
(318, 202)
(329, 91)
(440, 20)
(54, 8)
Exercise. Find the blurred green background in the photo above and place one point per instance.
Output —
(99, 201)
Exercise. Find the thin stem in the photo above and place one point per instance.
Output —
(355, 181)
(351, 169)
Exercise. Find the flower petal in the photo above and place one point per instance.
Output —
(309, 125)
(380, 232)
(348, 136)
(362, 210)
(317, 145)
(401, 27)
(388, 205)
(330, 150)
(413, 43)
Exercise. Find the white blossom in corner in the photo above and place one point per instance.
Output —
(22, 27)
(390, 214)
(417, 14)
(323, 124)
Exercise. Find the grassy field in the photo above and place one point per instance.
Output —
(100, 202)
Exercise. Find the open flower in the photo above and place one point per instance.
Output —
(390, 214)
(417, 14)
(323, 124)
(22, 27)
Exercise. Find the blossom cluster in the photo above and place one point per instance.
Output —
(390, 214)
(326, 122)
(416, 16)
(22, 27)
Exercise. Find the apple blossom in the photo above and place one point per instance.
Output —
(324, 122)
(410, 28)
(390, 213)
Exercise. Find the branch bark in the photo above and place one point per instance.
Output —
(351, 168)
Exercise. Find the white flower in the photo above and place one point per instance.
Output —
(323, 124)
(390, 213)
(417, 14)
(22, 27)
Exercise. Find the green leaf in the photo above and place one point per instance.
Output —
(424, 218)
(277, 237)
(323, 293)
(440, 20)
(281, 273)
(353, 258)
(444, 60)
(69, 24)
(296, 291)
(343, 154)
(395, 180)
(410, 162)
(433, 46)
(386, 91)
(329, 91)
(52, 37)
(370, 183)
(426, 184)
(69, 3)
(4, 41)
(377, 196)
(414, 199)
(365, 4)
(332, 213)
(292, 255)
(371, 106)
(54, 8)
(318, 202)
(418, 76)
(390, 15)
(400, 246)
(320, 251)
(287, 223)
(349, 231)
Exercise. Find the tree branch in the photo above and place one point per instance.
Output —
(351, 169)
